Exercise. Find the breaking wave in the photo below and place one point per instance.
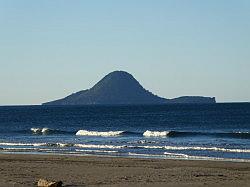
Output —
(97, 133)
(96, 151)
(100, 146)
(105, 146)
(147, 133)
(180, 148)
(141, 155)
(96, 146)
(45, 130)
(176, 155)
(22, 144)
(156, 133)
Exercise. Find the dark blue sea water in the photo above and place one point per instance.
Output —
(183, 131)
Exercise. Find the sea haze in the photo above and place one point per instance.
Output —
(184, 131)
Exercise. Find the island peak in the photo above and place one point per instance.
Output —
(121, 88)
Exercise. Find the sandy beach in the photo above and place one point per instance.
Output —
(25, 170)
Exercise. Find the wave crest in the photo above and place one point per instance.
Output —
(22, 144)
(97, 133)
(156, 133)
(45, 131)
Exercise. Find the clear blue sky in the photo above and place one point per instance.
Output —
(51, 48)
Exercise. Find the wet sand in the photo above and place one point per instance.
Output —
(18, 170)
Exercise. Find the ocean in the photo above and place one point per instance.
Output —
(177, 131)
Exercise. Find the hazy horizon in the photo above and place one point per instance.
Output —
(50, 49)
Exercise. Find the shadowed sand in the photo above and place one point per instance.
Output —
(24, 170)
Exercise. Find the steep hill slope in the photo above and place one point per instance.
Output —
(120, 87)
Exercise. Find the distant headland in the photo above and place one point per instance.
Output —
(121, 88)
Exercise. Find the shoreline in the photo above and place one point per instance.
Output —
(73, 170)
(136, 156)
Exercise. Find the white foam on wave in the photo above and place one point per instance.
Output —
(19, 148)
(144, 155)
(37, 144)
(155, 133)
(64, 145)
(96, 151)
(245, 132)
(104, 146)
(181, 156)
(209, 149)
(59, 144)
(100, 146)
(149, 147)
(190, 157)
(22, 144)
(142, 142)
(96, 133)
(40, 130)
(176, 155)
(217, 149)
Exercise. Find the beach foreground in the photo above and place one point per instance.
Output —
(25, 170)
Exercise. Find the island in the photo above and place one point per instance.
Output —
(121, 88)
